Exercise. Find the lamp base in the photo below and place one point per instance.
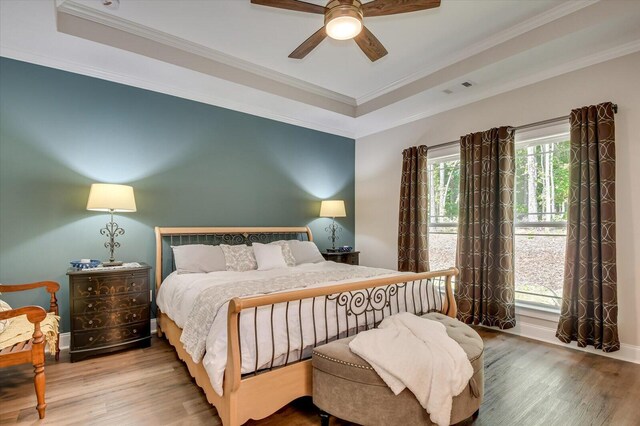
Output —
(114, 263)
(332, 250)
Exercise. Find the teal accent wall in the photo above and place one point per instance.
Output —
(190, 164)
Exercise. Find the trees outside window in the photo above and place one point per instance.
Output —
(541, 198)
(444, 190)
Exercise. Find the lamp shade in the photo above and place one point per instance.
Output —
(104, 197)
(332, 208)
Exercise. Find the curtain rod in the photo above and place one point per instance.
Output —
(524, 126)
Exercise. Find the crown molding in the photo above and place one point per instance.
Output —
(574, 65)
(563, 9)
(79, 10)
(207, 98)
(82, 11)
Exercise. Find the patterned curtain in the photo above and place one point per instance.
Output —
(485, 291)
(589, 301)
(413, 237)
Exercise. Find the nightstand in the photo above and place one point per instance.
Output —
(349, 257)
(110, 310)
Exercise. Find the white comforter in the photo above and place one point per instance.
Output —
(417, 353)
(178, 295)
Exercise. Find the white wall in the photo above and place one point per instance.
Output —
(378, 168)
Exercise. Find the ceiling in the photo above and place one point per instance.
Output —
(234, 54)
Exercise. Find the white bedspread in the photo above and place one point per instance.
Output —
(178, 295)
(417, 353)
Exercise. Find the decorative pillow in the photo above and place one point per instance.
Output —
(239, 258)
(269, 256)
(305, 252)
(286, 252)
(4, 306)
(198, 258)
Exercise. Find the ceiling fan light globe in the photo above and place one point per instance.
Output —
(344, 27)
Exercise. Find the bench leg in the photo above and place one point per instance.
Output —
(324, 418)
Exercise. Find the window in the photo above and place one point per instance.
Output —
(444, 189)
(541, 199)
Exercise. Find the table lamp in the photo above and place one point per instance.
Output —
(106, 197)
(333, 209)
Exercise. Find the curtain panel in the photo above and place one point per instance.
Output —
(589, 300)
(485, 291)
(413, 250)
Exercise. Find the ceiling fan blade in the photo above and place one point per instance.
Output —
(309, 44)
(299, 6)
(370, 45)
(392, 7)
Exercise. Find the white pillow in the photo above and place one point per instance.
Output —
(269, 256)
(198, 258)
(239, 258)
(4, 306)
(286, 252)
(305, 252)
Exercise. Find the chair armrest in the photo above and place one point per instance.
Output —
(51, 286)
(35, 314)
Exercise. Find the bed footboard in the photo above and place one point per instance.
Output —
(335, 312)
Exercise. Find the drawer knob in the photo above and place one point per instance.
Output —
(90, 321)
(90, 305)
(135, 331)
(133, 300)
(90, 339)
(134, 315)
(90, 288)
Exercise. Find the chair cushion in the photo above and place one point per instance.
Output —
(4, 306)
(21, 330)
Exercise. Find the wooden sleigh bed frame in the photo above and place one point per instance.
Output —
(258, 395)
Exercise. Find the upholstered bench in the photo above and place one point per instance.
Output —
(346, 386)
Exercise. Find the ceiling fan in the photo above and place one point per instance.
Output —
(343, 21)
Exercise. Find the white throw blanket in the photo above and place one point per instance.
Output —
(416, 353)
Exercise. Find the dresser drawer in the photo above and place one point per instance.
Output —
(102, 319)
(107, 285)
(110, 336)
(110, 303)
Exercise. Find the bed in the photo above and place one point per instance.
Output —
(253, 356)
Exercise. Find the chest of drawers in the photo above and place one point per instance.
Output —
(110, 310)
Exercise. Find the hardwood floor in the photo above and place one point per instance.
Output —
(527, 383)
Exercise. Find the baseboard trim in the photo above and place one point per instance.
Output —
(627, 352)
(65, 338)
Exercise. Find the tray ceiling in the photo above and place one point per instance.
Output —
(234, 54)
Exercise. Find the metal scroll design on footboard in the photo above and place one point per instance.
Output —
(283, 328)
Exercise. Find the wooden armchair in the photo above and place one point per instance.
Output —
(32, 350)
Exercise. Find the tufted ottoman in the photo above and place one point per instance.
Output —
(347, 387)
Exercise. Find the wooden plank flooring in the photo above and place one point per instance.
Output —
(527, 383)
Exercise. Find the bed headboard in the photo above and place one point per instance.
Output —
(176, 236)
